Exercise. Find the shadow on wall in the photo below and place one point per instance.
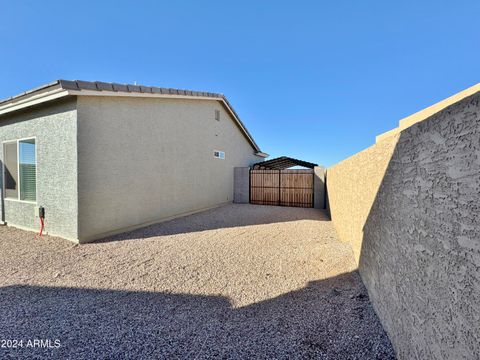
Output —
(227, 216)
(419, 249)
(331, 319)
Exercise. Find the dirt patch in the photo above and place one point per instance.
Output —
(238, 281)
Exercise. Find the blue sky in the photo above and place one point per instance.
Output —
(316, 80)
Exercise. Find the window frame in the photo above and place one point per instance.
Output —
(219, 152)
(17, 141)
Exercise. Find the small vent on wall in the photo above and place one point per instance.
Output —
(217, 115)
(219, 154)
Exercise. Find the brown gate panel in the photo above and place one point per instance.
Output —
(282, 187)
(296, 188)
(264, 185)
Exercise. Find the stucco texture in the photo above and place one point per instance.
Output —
(142, 160)
(352, 186)
(409, 206)
(55, 128)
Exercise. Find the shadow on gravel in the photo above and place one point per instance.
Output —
(328, 319)
(227, 216)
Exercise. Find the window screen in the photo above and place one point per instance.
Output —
(28, 170)
(11, 170)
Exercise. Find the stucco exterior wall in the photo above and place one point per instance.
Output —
(409, 205)
(142, 160)
(351, 189)
(55, 127)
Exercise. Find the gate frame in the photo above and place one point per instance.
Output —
(279, 202)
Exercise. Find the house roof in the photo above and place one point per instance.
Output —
(60, 88)
(282, 163)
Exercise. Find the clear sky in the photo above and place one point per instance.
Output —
(316, 80)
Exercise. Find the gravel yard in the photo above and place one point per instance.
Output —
(239, 281)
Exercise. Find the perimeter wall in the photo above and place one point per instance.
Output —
(410, 207)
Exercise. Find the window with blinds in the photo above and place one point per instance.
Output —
(20, 170)
(28, 170)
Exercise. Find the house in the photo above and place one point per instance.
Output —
(103, 158)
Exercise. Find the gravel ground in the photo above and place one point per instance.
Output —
(240, 281)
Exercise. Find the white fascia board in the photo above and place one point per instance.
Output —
(262, 154)
(240, 124)
(32, 100)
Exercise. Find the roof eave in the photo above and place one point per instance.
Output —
(63, 88)
(262, 154)
(31, 98)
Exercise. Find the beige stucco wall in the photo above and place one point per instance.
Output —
(409, 207)
(352, 186)
(141, 160)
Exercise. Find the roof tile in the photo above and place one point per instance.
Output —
(68, 84)
(86, 85)
(133, 88)
(120, 87)
(145, 89)
(103, 86)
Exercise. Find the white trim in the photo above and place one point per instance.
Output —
(262, 154)
(32, 100)
(237, 120)
(18, 199)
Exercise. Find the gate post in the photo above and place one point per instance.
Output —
(241, 185)
(319, 187)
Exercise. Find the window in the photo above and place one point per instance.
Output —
(217, 115)
(11, 170)
(219, 154)
(20, 170)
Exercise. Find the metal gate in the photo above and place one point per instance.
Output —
(282, 187)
